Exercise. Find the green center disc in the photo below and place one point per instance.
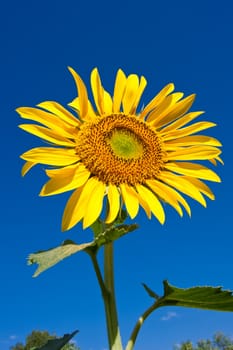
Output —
(125, 144)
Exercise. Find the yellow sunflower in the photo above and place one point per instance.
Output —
(115, 153)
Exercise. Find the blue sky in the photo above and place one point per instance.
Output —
(188, 43)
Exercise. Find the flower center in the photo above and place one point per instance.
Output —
(125, 144)
(120, 149)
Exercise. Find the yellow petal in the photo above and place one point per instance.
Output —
(177, 111)
(47, 134)
(164, 108)
(130, 199)
(187, 118)
(119, 90)
(69, 180)
(114, 203)
(76, 206)
(94, 204)
(75, 104)
(202, 187)
(189, 130)
(220, 160)
(193, 170)
(194, 153)
(144, 205)
(214, 161)
(98, 91)
(60, 111)
(107, 103)
(73, 213)
(130, 94)
(166, 194)
(139, 93)
(153, 202)
(88, 188)
(51, 156)
(26, 167)
(194, 140)
(183, 185)
(82, 93)
(47, 119)
(55, 172)
(169, 195)
(157, 100)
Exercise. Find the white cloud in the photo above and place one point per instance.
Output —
(9, 339)
(12, 337)
(169, 316)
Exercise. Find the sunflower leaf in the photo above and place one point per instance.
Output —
(58, 343)
(97, 227)
(48, 258)
(207, 298)
(151, 293)
(113, 233)
(122, 216)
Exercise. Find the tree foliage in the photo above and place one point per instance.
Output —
(219, 342)
(37, 339)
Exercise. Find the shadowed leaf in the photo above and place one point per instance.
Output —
(113, 233)
(58, 343)
(151, 293)
(99, 227)
(207, 298)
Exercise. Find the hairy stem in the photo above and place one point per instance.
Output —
(110, 301)
(137, 327)
(98, 275)
(108, 294)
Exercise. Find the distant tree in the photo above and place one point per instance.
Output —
(219, 342)
(18, 346)
(39, 338)
(223, 342)
(185, 346)
(70, 346)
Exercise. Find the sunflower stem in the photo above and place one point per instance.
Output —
(98, 274)
(114, 337)
(138, 325)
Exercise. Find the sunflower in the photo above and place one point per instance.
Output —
(113, 156)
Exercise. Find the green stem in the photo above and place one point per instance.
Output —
(98, 274)
(134, 334)
(114, 337)
(108, 294)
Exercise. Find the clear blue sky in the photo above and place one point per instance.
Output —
(185, 42)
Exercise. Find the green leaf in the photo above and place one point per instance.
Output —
(113, 233)
(207, 298)
(151, 293)
(97, 227)
(122, 216)
(48, 258)
(58, 343)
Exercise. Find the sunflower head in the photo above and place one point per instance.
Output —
(112, 154)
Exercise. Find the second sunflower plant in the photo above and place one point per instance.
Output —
(116, 158)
